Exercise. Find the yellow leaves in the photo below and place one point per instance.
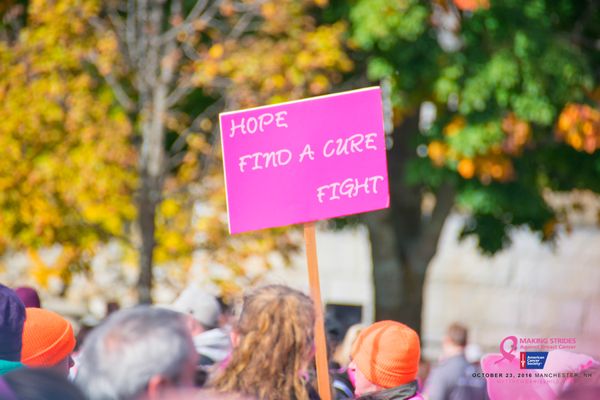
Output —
(319, 84)
(302, 61)
(174, 232)
(268, 10)
(216, 51)
(65, 153)
(169, 208)
(107, 49)
(579, 126)
(43, 273)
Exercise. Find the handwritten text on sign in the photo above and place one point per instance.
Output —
(305, 160)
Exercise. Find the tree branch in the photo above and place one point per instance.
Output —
(119, 91)
(187, 24)
(240, 26)
(180, 92)
(190, 51)
(130, 32)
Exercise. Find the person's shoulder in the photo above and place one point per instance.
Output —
(458, 361)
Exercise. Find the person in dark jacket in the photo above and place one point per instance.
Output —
(12, 319)
(452, 378)
(38, 384)
(385, 361)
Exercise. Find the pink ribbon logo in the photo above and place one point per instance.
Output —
(508, 355)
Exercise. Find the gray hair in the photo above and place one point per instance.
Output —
(119, 357)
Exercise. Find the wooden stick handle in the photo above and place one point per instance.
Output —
(315, 292)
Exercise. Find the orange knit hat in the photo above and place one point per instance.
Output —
(47, 338)
(387, 353)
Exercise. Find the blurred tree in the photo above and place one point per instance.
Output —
(192, 58)
(65, 164)
(495, 103)
(154, 75)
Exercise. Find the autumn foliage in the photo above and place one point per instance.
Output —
(79, 85)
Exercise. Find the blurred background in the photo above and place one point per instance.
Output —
(111, 186)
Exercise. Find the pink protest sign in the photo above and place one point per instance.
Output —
(305, 160)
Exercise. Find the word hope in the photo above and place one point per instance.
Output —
(349, 188)
(253, 124)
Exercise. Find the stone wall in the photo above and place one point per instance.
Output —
(344, 270)
(528, 290)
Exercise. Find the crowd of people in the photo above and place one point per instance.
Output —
(196, 348)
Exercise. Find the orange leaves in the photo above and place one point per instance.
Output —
(480, 150)
(454, 126)
(472, 5)
(466, 168)
(579, 127)
(437, 152)
(486, 168)
(518, 133)
(496, 167)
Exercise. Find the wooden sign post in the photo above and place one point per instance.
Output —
(315, 292)
(305, 161)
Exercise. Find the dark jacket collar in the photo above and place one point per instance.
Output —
(396, 393)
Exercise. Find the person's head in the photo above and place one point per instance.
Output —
(48, 341)
(385, 355)
(203, 309)
(137, 352)
(455, 340)
(273, 345)
(342, 354)
(38, 384)
(28, 296)
(12, 318)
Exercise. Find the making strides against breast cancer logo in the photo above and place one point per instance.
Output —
(535, 359)
(508, 346)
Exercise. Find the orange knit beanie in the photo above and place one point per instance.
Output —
(387, 353)
(47, 338)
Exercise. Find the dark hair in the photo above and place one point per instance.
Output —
(458, 334)
(41, 384)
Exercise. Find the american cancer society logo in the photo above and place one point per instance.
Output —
(528, 349)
